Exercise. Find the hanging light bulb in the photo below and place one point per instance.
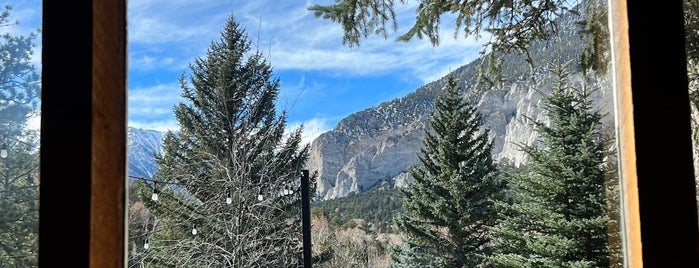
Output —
(260, 197)
(146, 245)
(229, 199)
(154, 196)
(194, 230)
(3, 151)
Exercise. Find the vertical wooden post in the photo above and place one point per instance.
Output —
(626, 144)
(306, 218)
(108, 201)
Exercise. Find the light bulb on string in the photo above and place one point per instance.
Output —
(146, 245)
(260, 197)
(229, 199)
(194, 230)
(154, 196)
(3, 151)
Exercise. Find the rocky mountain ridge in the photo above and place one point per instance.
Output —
(142, 145)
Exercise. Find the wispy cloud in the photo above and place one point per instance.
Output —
(150, 62)
(151, 107)
(311, 128)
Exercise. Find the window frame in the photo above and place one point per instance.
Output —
(82, 219)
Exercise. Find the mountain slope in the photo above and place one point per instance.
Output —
(142, 145)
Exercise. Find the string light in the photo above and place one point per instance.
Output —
(154, 196)
(3, 150)
(288, 190)
(229, 199)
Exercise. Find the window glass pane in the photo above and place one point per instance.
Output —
(523, 149)
(20, 82)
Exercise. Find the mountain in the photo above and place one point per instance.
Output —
(142, 145)
(380, 143)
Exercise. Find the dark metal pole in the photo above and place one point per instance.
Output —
(306, 218)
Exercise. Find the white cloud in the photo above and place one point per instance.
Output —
(151, 107)
(159, 93)
(293, 38)
(311, 128)
(145, 62)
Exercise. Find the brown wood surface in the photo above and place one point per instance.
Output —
(107, 220)
(625, 133)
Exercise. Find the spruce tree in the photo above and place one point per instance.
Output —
(450, 204)
(559, 216)
(230, 172)
(19, 156)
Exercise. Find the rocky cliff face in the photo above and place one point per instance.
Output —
(381, 143)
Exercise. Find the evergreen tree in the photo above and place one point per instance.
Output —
(449, 205)
(409, 255)
(559, 217)
(228, 181)
(19, 158)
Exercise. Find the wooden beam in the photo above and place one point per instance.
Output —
(108, 202)
(626, 144)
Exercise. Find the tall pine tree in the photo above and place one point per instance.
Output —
(450, 204)
(559, 217)
(19, 157)
(228, 181)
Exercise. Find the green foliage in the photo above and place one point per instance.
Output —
(597, 53)
(510, 25)
(231, 143)
(559, 217)
(450, 204)
(19, 183)
(19, 204)
(613, 198)
(378, 205)
(410, 255)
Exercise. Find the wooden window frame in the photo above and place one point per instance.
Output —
(83, 136)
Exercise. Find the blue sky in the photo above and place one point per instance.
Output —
(322, 80)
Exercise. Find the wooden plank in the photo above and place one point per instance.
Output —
(623, 110)
(108, 202)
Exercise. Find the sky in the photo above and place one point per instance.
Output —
(322, 80)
